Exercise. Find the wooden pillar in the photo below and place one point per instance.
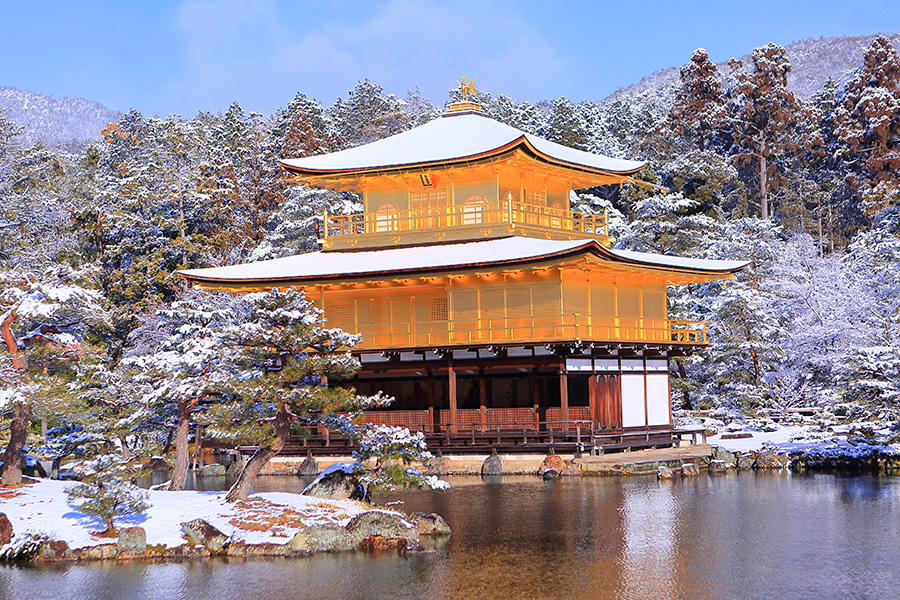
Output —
(564, 395)
(483, 400)
(452, 398)
(593, 393)
(536, 397)
(430, 392)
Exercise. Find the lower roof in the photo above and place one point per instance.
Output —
(344, 264)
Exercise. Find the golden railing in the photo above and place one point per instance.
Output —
(526, 330)
(487, 213)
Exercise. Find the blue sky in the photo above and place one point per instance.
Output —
(179, 57)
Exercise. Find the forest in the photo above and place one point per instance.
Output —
(106, 347)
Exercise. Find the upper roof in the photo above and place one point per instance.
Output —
(453, 137)
(421, 259)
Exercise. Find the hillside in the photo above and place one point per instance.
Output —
(812, 63)
(55, 121)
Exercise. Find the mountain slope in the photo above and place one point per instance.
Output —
(812, 63)
(54, 121)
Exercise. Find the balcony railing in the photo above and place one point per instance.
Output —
(484, 214)
(526, 330)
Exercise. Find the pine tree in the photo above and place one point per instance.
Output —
(699, 107)
(867, 120)
(285, 362)
(766, 119)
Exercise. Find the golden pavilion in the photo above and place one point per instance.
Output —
(494, 314)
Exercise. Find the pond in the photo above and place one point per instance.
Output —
(738, 536)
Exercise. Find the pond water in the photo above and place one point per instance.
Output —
(740, 536)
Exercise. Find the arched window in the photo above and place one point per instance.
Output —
(386, 218)
(473, 210)
(555, 214)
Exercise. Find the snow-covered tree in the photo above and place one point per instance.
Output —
(766, 119)
(285, 361)
(699, 107)
(108, 489)
(867, 120)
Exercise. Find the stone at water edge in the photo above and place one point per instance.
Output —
(664, 472)
(438, 465)
(6, 529)
(335, 484)
(237, 466)
(132, 542)
(213, 470)
(55, 550)
(492, 466)
(430, 524)
(745, 461)
(327, 537)
(101, 552)
(552, 462)
(201, 532)
(689, 470)
(376, 523)
(718, 466)
(308, 467)
(549, 474)
(719, 453)
(768, 459)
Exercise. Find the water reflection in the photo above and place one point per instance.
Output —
(738, 536)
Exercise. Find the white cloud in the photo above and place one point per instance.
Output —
(261, 52)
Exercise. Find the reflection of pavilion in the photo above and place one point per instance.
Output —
(492, 312)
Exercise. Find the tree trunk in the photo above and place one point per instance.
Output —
(763, 183)
(241, 487)
(12, 457)
(182, 450)
(686, 404)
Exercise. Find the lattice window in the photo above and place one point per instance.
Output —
(428, 202)
(386, 218)
(533, 198)
(473, 210)
(439, 309)
(340, 315)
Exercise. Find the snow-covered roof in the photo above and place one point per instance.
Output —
(439, 257)
(453, 137)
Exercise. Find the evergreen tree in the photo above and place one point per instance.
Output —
(766, 119)
(867, 120)
(699, 107)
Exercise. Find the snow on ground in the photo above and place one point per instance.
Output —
(799, 438)
(266, 517)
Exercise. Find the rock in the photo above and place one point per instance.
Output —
(719, 453)
(236, 466)
(553, 462)
(689, 470)
(664, 472)
(213, 470)
(186, 551)
(768, 459)
(745, 462)
(335, 484)
(132, 542)
(157, 463)
(430, 524)
(309, 466)
(55, 550)
(6, 529)
(439, 465)
(201, 532)
(376, 523)
(101, 552)
(718, 466)
(492, 466)
(550, 474)
(784, 459)
(328, 537)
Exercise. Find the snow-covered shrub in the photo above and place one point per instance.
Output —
(393, 450)
(23, 547)
(106, 490)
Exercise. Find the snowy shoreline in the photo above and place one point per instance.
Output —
(267, 524)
